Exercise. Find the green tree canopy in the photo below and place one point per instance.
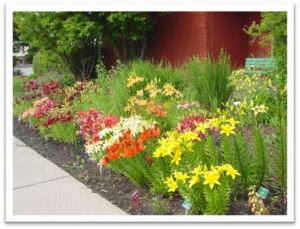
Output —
(73, 36)
(128, 33)
(77, 36)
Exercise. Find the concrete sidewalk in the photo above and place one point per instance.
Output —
(42, 188)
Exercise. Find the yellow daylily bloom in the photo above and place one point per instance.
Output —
(259, 109)
(132, 100)
(154, 93)
(158, 152)
(215, 122)
(180, 176)
(222, 168)
(166, 151)
(127, 109)
(142, 102)
(201, 127)
(227, 129)
(133, 80)
(230, 171)
(194, 180)
(176, 157)
(191, 136)
(233, 122)
(197, 170)
(140, 93)
(211, 178)
(169, 89)
(172, 184)
(150, 86)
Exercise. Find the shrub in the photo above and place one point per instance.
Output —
(18, 86)
(49, 65)
(46, 61)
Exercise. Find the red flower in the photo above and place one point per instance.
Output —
(154, 132)
(61, 117)
(44, 109)
(113, 147)
(91, 122)
(149, 159)
(139, 145)
(129, 152)
(51, 87)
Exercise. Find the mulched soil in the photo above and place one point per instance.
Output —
(111, 185)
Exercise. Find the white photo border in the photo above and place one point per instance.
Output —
(122, 6)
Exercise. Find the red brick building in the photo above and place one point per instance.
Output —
(179, 35)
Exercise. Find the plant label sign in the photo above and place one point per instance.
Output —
(187, 205)
(263, 192)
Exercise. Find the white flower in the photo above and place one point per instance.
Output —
(93, 148)
(109, 136)
(236, 103)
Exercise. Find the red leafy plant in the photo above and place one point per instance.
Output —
(51, 87)
(59, 118)
(35, 90)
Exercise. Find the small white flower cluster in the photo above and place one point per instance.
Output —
(92, 148)
(259, 109)
(188, 105)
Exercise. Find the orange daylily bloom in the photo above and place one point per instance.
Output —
(155, 131)
(140, 146)
(129, 152)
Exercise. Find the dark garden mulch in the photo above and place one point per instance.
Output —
(111, 185)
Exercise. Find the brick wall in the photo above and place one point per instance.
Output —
(179, 35)
(225, 30)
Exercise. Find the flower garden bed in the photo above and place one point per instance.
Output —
(111, 185)
(149, 137)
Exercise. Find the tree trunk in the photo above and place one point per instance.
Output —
(143, 49)
(116, 50)
(91, 67)
(82, 65)
(67, 63)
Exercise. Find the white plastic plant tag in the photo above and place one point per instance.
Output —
(100, 169)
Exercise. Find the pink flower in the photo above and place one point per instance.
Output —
(41, 111)
(189, 123)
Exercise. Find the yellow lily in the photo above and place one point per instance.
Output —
(227, 129)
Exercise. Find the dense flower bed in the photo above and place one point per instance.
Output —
(150, 130)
